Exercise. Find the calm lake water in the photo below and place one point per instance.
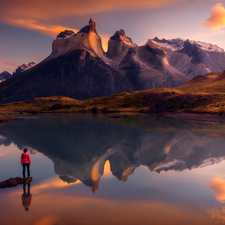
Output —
(93, 169)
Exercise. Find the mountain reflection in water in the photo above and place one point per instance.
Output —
(79, 145)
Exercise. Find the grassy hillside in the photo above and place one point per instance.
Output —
(203, 94)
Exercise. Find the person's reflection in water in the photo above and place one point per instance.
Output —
(26, 196)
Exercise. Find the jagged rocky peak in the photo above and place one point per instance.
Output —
(65, 34)
(23, 67)
(69, 33)
(90, 27)
(121, 36)
(4, 76)
(27, 66)
(153, 50)
(119, 44)
(86, 39)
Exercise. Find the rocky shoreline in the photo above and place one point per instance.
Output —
(6, 118)
(196, 116)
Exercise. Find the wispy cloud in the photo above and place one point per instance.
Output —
(10, 153)
(216, 19)
(9, 64)
(49, 30)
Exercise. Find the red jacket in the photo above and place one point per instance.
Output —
(25, 158)
(26, 201)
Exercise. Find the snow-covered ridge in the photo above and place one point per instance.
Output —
(174, 44)
(210, 161)
(27, 66)
(175, 162)
(178, 162)
(178, 43)
(207, 46)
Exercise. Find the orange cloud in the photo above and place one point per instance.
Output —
(217, 186)
(49, 30)
(51, 183)
(9, 64)
(42, 9)
(217, 213)
(216, 19)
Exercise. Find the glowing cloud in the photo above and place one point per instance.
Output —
(216, 19)
(217, 186)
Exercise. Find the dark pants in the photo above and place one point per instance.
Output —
(28, 169)
(26, 193)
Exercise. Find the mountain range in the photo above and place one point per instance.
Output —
(6, 75)
(23, 67)
(79, 68)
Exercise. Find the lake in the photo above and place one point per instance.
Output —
(114, 169)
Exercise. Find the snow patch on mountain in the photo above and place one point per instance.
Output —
(210, 161)
(27, 66)
(178, 44)
(207, 46)
(174, 44)
(175, 162)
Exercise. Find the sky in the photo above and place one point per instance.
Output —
(28, 28)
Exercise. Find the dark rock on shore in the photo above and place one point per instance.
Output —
(13, 182)
(95, 110)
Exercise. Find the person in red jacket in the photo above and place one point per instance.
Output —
(25, 162)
